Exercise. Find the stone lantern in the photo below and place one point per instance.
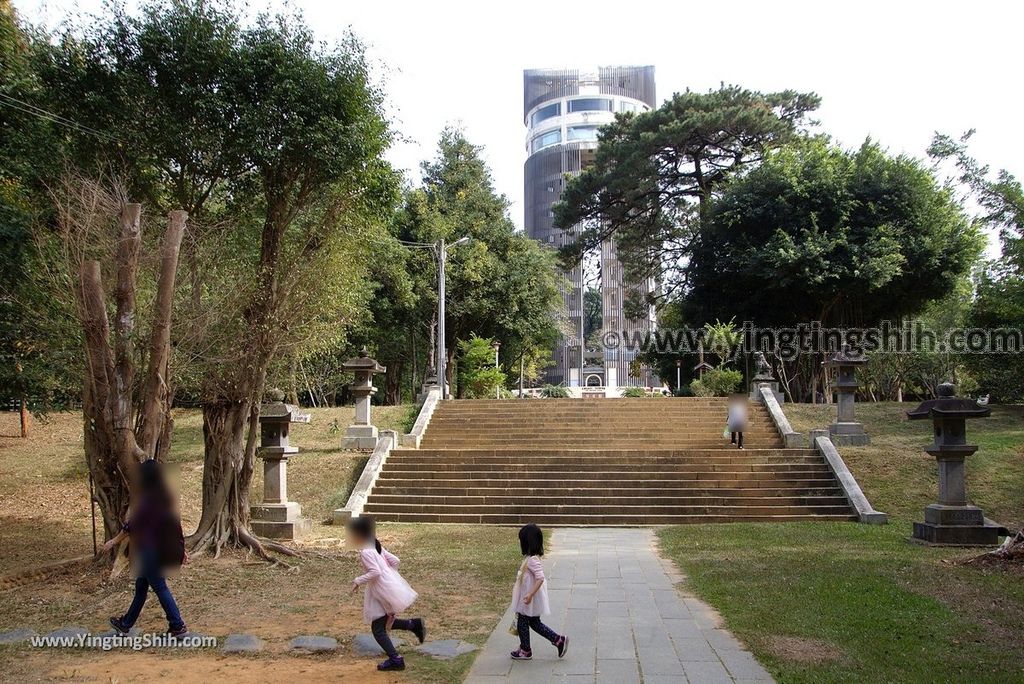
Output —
(276, 517)
(952, 520)
(846, 430)
(362, 434)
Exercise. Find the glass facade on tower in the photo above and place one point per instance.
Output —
(563, 110)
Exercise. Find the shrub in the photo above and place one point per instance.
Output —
(634, 393)
(554, 392)
(717, 382)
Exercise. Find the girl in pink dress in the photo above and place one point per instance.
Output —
(530, 596)
(386, 592)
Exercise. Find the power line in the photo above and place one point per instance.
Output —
(27, 108)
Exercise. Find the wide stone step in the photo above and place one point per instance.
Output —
(538, 500)
(520, 460)
(621, 507)
(725, 450)
(614, 445)
(570, 479)
(601, 490)
(612, 467)
(510, 420)
(598, 519)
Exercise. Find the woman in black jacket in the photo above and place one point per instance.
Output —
(155, 543)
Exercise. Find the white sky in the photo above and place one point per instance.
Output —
(896, 70)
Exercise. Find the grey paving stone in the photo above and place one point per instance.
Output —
(707, 619)
(666, 679)
(721, 640)
(682, 628)
(690, 650)
(743, 665)
(242, 643)
(607, 609)
(445, 649)
(621, 607)
(366, 645)
(617, 672)
(492, 663)
(660, 662)
(16, 636)
(711, 672)
(313, 644)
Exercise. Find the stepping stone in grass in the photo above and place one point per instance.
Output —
(445, 649)
(242, 643)
(16, 636)
(68, 633)
(365, 645)
(313, 644)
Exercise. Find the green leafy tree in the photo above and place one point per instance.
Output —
(501, 285)
(38, 368)
(999, 300)
(717, 382)
(273, 142)
(655, 175)
(817, 233)
(479, 377)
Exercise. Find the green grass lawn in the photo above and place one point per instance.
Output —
(839, 602)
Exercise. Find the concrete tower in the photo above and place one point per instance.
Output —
(562, 110)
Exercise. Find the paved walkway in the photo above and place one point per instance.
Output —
(614, 596)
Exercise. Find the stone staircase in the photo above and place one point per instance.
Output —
(602, 462)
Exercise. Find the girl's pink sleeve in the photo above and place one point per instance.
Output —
(391, 558)
(372, 571)
(534, 567)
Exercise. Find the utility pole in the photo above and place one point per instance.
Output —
(442, 352)
(442, 375)
(496, 346)
(582, 317)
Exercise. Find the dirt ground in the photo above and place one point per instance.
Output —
(461, 573)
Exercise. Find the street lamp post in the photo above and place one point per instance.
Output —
(442, 354)
(496, 345)
(679, 374)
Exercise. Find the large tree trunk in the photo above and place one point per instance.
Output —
(231, 416)
(112, 447)
(225, 491)
(393, 382)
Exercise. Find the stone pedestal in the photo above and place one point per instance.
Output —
(362, 434)
(952, 521)
(277, 517)
(846, 430)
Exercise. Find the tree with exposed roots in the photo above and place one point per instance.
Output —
(273, 143)
(127, 414)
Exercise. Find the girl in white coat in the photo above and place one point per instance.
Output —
(530, 596)
(386, 592)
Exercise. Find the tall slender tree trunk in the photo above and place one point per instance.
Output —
(23, 410)
(112, 446)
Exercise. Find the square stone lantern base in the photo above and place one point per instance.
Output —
(360, 437)
(848, 434)
(955, 526)
(279, 521)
